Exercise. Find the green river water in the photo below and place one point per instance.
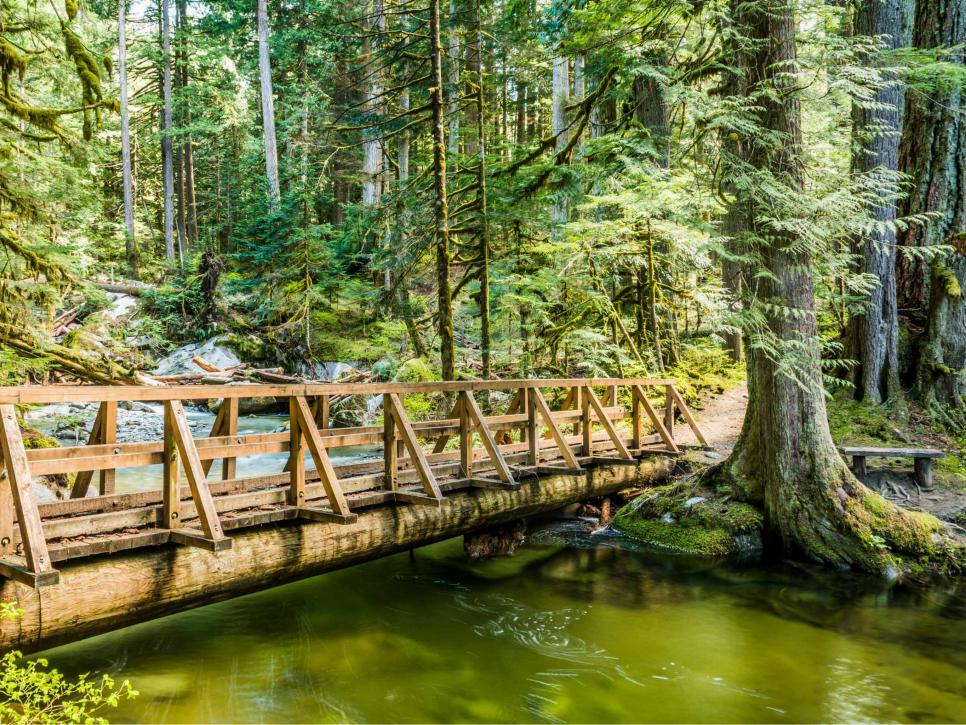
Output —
(573, 628)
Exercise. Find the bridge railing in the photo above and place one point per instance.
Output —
(610, 420)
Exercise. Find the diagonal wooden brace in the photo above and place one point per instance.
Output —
(405, 431)
(200, 493)
(476, 419)
(540, 406)
(608, 424)
(17, 470)
(330, 482)
(662, 431)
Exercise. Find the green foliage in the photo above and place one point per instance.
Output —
(32, 692)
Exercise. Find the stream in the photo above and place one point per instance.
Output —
(573, 628)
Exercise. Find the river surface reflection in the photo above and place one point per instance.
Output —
(574, 628)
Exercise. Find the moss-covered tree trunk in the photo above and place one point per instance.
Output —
(785, 458)
(933, 154)
(444, 297)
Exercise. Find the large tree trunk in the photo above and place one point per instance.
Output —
(187, 153)
(785, 458)
(372, 161)
(483, 217)
(558, 118)
(447, 351)
(268, 105)
(874, 333)
(127, 180)
(933, 154)
(167, 158)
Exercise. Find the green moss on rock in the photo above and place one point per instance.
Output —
(691, 521)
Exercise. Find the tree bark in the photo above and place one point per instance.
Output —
(482, 211)
(785, 458)
(933, 155)
(166, 129)
(127, 181)
(447, 351)
(187, 153)
(372, 161)
(874, 333)
(268, 105)
(558, 119)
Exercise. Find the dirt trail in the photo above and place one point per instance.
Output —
(720, 420)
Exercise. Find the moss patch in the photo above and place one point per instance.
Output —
(690, 521)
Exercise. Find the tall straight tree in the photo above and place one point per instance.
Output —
(447, 347)
(268, 104)
(167, 127)
(933, 155)
(372, 154)
(127, 177)
(876, 126)
(785, 458)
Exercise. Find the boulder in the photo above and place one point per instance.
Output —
(215, 351)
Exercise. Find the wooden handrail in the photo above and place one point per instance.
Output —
(199, 514)
(142, 393)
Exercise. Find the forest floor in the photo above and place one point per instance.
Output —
(721, 417)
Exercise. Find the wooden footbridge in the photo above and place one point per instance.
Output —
(551, 428)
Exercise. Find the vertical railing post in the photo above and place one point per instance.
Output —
(6, 511)
(635, 419)
(466, 437)
(323, 411)
(169, 480)
(586, 428)
(525, 408)
(669, 409)
(105, 481)
(231, 429)
(533, 440)
(296, 457)
(390, 449)
(578, 402)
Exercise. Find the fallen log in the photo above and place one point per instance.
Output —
(111, 591)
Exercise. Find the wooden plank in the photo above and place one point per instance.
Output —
(323, 465)
(504, 436)
(17, 471)
(185, 444)
(217, 430)
(191, 537)
(7, 514)
(893, 452)
(636, 422)
(586, 427)
(100, 393)
(296, 457)
(229, 463)
(444, 439)
(325, 516)
(662, 431)
(465, 438)
(389, 450)
(669, 408)
(106, 477)
(539, 404)
(474, 415)
(418, 498)
(82, 482)
(686, 412)
(529, 434)
(415, 451)
(171, 500)
(13, 568)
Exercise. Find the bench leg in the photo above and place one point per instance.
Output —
(858, 466)
(924, 472)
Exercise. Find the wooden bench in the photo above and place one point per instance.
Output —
(923, 460)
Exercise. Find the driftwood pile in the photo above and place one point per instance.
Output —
(242, 373)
